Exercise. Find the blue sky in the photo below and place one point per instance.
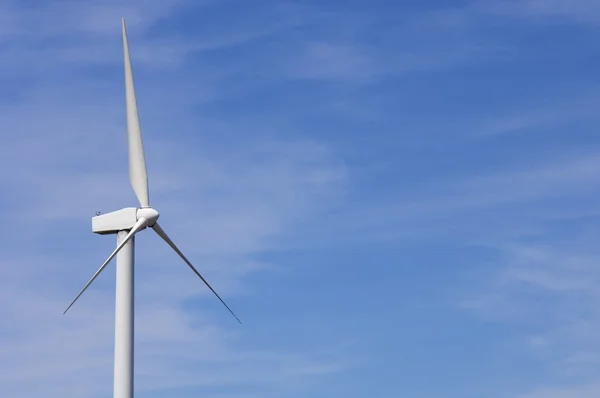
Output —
(397, 200)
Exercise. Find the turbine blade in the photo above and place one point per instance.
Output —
(166, 238)
(137, 162)
(140, 224)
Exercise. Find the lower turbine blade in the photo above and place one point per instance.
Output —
(166, 238)
(141, 223)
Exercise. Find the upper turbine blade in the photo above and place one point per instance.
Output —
(137, 162)
(166, 238)
(140, 224)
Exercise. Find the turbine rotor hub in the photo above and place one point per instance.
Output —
(149, 214)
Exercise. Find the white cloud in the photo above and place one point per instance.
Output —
(66, 18)
(587, 391)
(547, 291)
(585, 11)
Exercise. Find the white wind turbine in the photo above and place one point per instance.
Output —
(125, 223)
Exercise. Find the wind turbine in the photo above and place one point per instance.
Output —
(126, 223)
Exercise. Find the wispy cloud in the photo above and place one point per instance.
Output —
(549, 290)
(576, 392)
(551, 114)
(80, 34)
(586, 11)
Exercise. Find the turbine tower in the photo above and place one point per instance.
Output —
(126, 223)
